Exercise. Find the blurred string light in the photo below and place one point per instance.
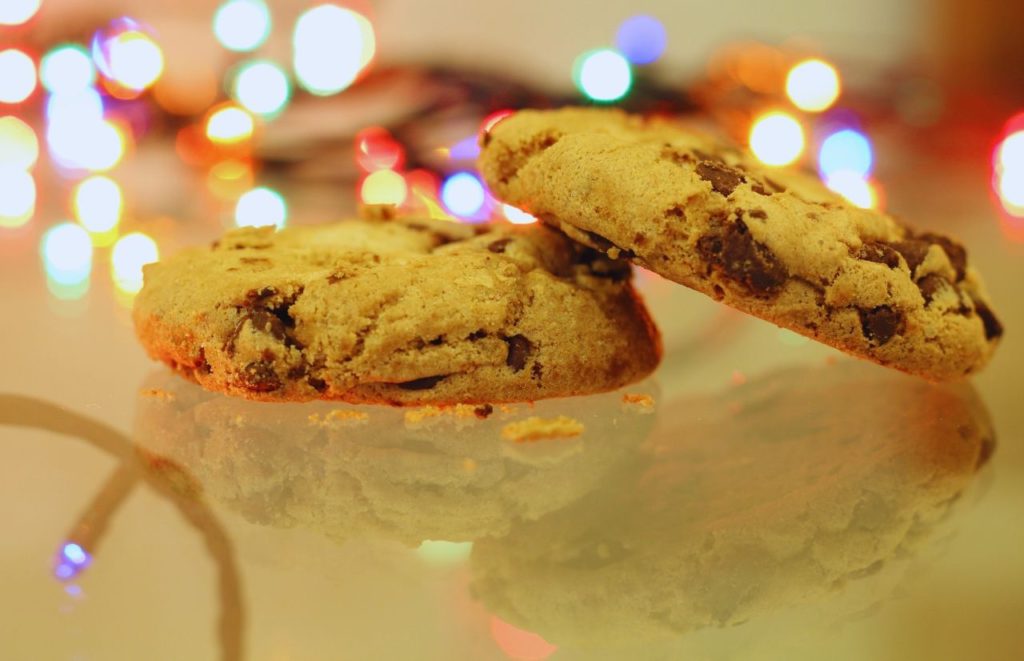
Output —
(96, 146)
(463, 194)
(641, 39)
(854, 187)
(97, 203)
(812, 85)
(1008, 170)
(384, 187)
(129, 255)
(17, 196)
(261, 207)
(228, 179)
(16, 12)
(125, 55)
(228, 124)
(19, 146)
(331, 46)
(377, 150)
(17, 76)
(67, 69)
(517, 216)
(262, 88)
(80, 107)
(242, 25)
(67, 259)
(845, 150)
(602, 75)
(466, 149)
(71, 561)
(776, 138)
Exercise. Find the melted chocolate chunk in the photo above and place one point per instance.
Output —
(758, 213)
(483, 411)
(759, 189)
(993, 329)
(297, 372)
(519, 348)
(913, 250)
(478, 334)
(724, 179)
(880, 252)
(954, 251)
(880, 324)
(258, 296)
(425, 383)
(738, 256)
(259, 376)
(318, 385)
(930, 285)
(499, 245)
(266, 321)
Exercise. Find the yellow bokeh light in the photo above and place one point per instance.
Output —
(98, 203)
(813, 85)
(383, 187)
(129, 255)
(228, 179)
(17, 76)
(136, 61)
(261, 207)
(331, 46)
(229, 124)
(19, 146)
(17, 197)
(777, 138)
(854, 188)
(517, 216)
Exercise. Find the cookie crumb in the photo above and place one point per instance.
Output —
(157, 393)
(339, 418)
(638, 401)
(541, 429)
(426, 415)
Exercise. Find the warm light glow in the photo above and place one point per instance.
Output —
(463, 194)
(1010, 154)
(17, 76)
(331, 46)
(242, 25)
(384, 187)
(228, 179)
(520, 644)
(444, 553)
(813, 85)
(67, 253)
(641, 39)
(845, 150)
(135, 60)
(261, 207)
(777, 138)
(854, 187)
(517, 216)
(97, 203)
(78, 108)
(19, 146)
(67, 70)
(93, 146)
(129, 255)
(603, 75)
(1011, 187)
(377, 150)
(229, 124)
(262, 87)
(16, 12)
(17, 197)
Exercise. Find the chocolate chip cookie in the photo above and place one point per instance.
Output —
(398, 312)
(773, 243)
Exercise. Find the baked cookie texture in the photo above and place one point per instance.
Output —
(398, 312)
(773, 243)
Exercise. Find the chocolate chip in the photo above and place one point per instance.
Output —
(670, 153)
(335, 278)
(993, 329)
(318, 385)
(758, 213)
(738, 256)
(676, 211)
(499, 245)
(537, 371)
(478, 334)
(724, 179)
(519, 348)
(880, 324)
(425, 383)
(930, 285)
(483, 411)
(257, 296)
(880, 252)
(954, 251)
(297, 372)
(437, 341)
(259, 376)
(759, 189)
(913, 250)
(267, 322)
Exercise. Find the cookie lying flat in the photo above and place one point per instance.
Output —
(400, 312)
(773, 243)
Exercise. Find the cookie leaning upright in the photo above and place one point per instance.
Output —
(399, 311)
(773, 243)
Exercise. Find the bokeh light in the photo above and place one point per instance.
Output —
(602, 75)
(67, 69)
(132, 59)
(67, 253)
(17, 76)
(129, 255)
(94, 146)
(443, 553)
(641, 39)
(229, 124)
(331, 46)
(1008, 174)
(16, 12)
(377, 150)
(777, 138)
(463, 194)
(97, 203)
(19, 146)
(846, 149)
(813, 85)
(262, 87)
(70, 562)
(78, 108)
(520, 644)
(1011, 188)
(1010, 153)
(517, 216)
(261, 207)
(242, 25)
(854, 187)
(384, 187)
(228, 179)
(17, 197)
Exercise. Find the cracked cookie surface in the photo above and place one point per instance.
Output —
(397, 311)
(773, 243)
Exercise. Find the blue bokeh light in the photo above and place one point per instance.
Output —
(463, 194)
(845, 150)
(641, 39)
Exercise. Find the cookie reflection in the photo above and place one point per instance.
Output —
(454, 474)
(782, 492)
